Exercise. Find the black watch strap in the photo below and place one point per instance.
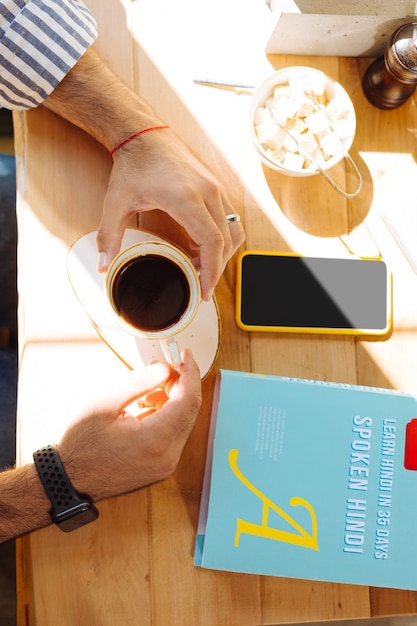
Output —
(67, 503)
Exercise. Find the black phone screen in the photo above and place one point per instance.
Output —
(277, 291)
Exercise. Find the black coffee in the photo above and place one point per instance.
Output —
(151, 293)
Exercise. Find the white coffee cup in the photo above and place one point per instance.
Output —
(154, 292)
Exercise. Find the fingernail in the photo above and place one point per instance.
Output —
(102, 262)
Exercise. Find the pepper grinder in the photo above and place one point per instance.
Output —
(391, 79)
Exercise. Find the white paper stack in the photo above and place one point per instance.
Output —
(336, 27)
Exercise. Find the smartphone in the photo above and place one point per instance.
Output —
(294, 293)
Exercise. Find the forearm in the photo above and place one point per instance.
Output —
(24, 506)
(94, 99)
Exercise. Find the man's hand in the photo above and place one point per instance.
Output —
(111, 451)
(169, 178)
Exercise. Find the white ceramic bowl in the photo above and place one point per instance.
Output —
(344, 126)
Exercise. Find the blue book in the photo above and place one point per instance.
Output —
(309, 479)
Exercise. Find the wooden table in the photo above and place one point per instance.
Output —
(135, 565)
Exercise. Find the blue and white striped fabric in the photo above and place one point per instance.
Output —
(40, 41)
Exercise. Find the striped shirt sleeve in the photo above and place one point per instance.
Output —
(40, 41)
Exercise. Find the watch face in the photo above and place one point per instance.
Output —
(75, 517)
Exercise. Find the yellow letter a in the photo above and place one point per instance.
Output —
(301, 537)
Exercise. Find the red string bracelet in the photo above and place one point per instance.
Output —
(145, 130)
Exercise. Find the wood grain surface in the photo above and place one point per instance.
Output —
(134, 566)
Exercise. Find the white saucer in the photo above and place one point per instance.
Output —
(202, 335)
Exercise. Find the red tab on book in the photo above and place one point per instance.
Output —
(410, 452)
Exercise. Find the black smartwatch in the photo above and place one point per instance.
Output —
(70, 509)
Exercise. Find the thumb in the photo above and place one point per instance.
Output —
(109, 236)
(133, 385)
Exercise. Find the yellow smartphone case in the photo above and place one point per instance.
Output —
(365, 332)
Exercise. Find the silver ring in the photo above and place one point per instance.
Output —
(232, 217)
